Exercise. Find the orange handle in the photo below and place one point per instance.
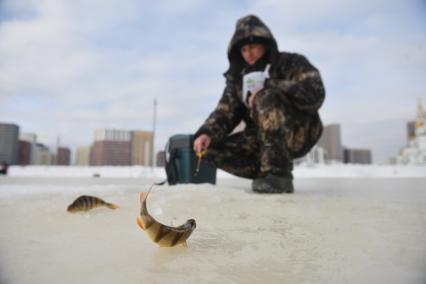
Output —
(200, 156)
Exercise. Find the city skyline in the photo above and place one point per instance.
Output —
(134, 147)
(108, 147)
(71, 64)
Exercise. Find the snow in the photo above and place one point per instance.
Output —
(313, 171)
(359, 228)
(86, 171)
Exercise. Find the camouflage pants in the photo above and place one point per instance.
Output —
(265, 148)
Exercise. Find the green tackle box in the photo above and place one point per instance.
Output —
(181, 162)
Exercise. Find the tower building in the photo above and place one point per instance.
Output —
(9, 143)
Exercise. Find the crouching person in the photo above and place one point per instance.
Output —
(277, 95)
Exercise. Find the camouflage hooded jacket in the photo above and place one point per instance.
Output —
(291, 76)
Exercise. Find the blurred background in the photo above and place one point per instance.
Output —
(77, 73)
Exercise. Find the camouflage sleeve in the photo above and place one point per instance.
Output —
(303, 87)
(225, 117)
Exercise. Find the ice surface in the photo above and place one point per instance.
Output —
(334, 170)
(332, 230)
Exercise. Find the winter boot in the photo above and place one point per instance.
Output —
(273, 184)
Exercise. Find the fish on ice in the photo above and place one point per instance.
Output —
(87, 202)
(163, 235)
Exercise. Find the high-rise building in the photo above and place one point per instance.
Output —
(110, 153)
(357, 156)
(331, 142)
(43, 155)
(112, 135)
(111, 147)
(32, 139)
(24, 153)
(9, 143)
(63, 156)
(141, 148)
(82, 156)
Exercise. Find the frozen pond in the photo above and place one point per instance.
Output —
(332, 230)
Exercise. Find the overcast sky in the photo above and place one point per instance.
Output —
(70, 67)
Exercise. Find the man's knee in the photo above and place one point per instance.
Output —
(266, 99)
(269, 113)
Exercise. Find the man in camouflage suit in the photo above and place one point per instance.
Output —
(282, 121)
